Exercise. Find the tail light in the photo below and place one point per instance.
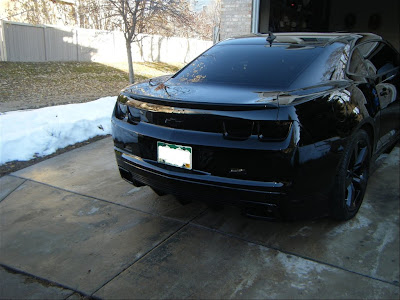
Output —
(237, 129)
(133, 115)
(121, 111)
(273, 130)
(124, 112)
(265, 130)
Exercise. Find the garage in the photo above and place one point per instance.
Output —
(261, 16)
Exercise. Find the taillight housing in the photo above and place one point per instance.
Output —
(237, 129)
(121, 111)
(273, 130)
(266, 131)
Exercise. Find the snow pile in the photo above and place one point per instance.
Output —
(34, 133)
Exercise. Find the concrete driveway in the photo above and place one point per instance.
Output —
(70, 226)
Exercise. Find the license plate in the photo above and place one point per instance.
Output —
(174, 155)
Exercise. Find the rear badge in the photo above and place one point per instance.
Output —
(174, 155)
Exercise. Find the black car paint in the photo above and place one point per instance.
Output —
(287, 175)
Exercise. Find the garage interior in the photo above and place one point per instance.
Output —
(380, 17)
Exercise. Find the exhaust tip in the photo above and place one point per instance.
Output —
(126, 175)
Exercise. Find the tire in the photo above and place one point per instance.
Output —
(352, 177)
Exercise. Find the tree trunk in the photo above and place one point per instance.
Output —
(129, 52)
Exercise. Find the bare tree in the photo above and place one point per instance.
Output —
(207, 20)
(136, 16)
(35, 12)
(91, 14)
(133, 17)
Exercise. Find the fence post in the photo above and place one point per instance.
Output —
(45, 41)
(77, 44)
(3, 46)
(114, 46)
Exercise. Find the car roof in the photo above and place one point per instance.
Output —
(302, 38)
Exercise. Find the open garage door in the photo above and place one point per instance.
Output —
(380, 17)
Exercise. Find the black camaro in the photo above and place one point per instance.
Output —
(283, 125)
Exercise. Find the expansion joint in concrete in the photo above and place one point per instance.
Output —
(43, 281)
(152, 249)
(98, 199)
(142, 257)
(13, 190)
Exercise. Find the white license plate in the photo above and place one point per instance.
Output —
(174, 155)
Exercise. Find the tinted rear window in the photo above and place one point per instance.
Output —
(275, 67)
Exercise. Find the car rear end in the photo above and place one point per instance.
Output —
(235, 154)
(216, 132)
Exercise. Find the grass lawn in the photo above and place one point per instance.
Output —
(148, 70)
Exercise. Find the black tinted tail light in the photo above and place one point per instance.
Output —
(273, 130)
(121, 111)
(237, 129)
(133, 115)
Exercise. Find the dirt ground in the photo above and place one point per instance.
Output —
(36, 85)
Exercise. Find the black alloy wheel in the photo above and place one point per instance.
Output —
(352, 177)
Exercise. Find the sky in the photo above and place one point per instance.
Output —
(200, 3)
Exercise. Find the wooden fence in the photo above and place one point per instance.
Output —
(41, 43)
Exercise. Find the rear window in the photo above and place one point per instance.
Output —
(276, 67)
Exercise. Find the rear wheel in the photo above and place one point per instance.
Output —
(352, 177)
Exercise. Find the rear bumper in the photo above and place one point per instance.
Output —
(302, 177)
(176, 181)
(203, 187)
(273, 200)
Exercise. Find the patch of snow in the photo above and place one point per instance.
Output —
(134, 190)
(304, 231)
(39, 132)
(244, 284)
(299, 285)
(299, 266)
(384, 235)
(87, 213)
(366, 205)
(356, 223)
(93, 210)
(393, 158)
